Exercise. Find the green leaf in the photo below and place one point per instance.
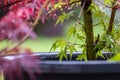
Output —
(82, 56)
(108, 2)
(62, 55)
(115, 58)
(59, 43)
(99, 54)
(80, 37)
(58, 5)
(55, 45)
(71, 31)
(62, 43)
(93, 7)
(110, 41)
(64, 16)
(61, 19)
(71, 49)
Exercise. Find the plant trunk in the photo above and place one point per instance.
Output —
(88, 27)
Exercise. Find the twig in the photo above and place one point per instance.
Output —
(110, 27)
(113, 12)
(77, 21)
(81, 11)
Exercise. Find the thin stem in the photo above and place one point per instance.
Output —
(112, 17)
(110, 27)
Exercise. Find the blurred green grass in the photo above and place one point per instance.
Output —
(43, 44)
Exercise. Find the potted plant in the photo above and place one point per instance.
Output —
(18, 24)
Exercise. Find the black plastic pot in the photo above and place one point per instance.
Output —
(53, 69)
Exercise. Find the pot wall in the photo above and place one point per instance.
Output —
(53, 69)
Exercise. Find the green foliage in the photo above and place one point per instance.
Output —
(71, 49)
(62, 54)
(109, 41)
(101, 20)
(71, 31)
(108, 2)
(65, 47)
(60, 43)
(82, 56)
(93, 7)
(99, 54)
(64, 16)
(58, 5)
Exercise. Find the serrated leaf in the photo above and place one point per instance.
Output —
(62, 55)
(55, 45)
(82, 38)
(71, 31)
(62, 43)
(64, 16)
(99, 54)
(71, 49)
(60, 19)
(82, 56)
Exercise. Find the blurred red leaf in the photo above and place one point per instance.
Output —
(14, 66)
